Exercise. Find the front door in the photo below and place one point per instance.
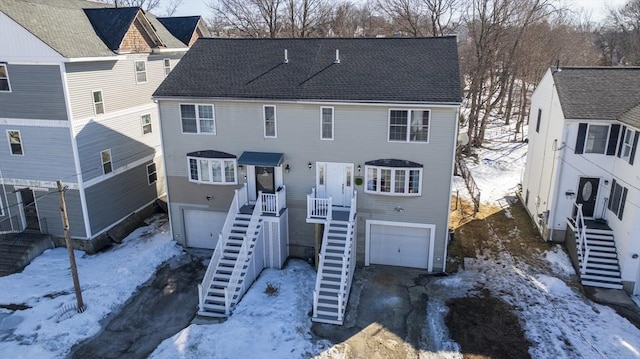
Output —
(587, 195)
(29, 209)
(265, 180)
(335, 180)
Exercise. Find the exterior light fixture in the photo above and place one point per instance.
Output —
(359, 168)
(310, 165)
(287, 168)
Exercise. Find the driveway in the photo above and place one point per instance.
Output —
(385, 314)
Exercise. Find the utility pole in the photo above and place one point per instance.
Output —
(67, 239)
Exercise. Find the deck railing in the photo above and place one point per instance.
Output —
(273, 203)
(581, 232)
(319, 207)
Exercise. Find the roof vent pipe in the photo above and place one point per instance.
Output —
(337, 59)
(286, 57)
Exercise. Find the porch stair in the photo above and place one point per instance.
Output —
(231, 270)
(597, 256)
(335, 272)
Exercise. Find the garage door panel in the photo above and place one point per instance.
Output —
(202, 228)
(399, 245)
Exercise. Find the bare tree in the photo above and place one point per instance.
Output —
(308, 17)
(252, 18)
(171, 7)
(407, 16)
(619, 37)
(442, 15)
(146, 5)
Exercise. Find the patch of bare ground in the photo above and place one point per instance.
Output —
(486, 326)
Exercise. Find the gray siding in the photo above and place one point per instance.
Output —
(116, 79)
(48, 205)
(360, 135)
(123, 135)
(36, 93)
(48, 154)
(115, 198)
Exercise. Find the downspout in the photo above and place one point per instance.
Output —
(453, 159)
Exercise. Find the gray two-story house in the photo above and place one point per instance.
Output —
(332, 150)
(76, 79)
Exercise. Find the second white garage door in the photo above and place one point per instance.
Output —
(399, 244)
(202, 227)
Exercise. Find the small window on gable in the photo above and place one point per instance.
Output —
(105, 157)
(213, 170)
(146, 124)
(596, 141)
(167, 66)
(383, 177)
(141, 71)
(270, 121)
(152, 176)
(5, 86)
(197, 119)
(98, 103)
(326, 123)
(409, 125)
(15, 142)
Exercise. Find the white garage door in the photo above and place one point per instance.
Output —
(202, 227)
(398, 245)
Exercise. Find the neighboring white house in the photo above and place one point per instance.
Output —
(76, 79)
(311, 148)
(581, 183)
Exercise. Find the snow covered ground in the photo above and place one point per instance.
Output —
(107, 279)
(556, 318)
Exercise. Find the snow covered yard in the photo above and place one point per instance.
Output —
(108, 280)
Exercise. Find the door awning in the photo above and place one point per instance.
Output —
(265, 159)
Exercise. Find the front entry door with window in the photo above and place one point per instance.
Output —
(335, 180)
(265, 180)
(29, 209)
(587, 195)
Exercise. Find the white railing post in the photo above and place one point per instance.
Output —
(200, 298)
(315, 304)
(329, 209)
(340, 312)
(227, 301)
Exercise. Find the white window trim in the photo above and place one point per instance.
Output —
(627, 146)
(264, 121)
(142, 124)
(136, 72)
(165, 67)
(21, 143)
(93, 101)
(586, 140)
(393, 180)
(222, 160)
(102, 163)
(149, 174)
(213, 111)
(6, 71)
(332, 123)
(407, 140)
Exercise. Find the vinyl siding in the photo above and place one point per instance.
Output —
(115, 198)
(123, 135)
(48, 154)
(360, 135)
(36, 93)
(48, 205)
(117, 80)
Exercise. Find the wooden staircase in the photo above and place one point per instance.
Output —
(597, 254)
(232, 268)
(336, 265)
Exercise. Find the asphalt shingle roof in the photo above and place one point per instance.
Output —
(111, 24)
(182, 27)
(598, 93)
(370, 69)
(64, 26)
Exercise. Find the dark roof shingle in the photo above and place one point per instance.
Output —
(370, 70)
(111, 24)
(597, 93)
(182, 27)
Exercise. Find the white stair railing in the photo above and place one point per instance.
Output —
(239, 200)
(581, 231)
(319, 207)
(323, 251)
(273, 203)
(245, 256)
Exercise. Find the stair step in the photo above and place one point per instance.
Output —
(601, 284)
(605, 272)
(219, 283)
(600, 278)
(603, 266)
(327, 297)
(592, 255)
(330, 279)
(329, 306)
(328, 291)
(600, 242)
(602, 249)
(331, 315)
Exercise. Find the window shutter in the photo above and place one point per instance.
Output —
(613, 187)
(582, 133)
(633, 149)
(622, 200)
(624, 130)
(613, 139)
